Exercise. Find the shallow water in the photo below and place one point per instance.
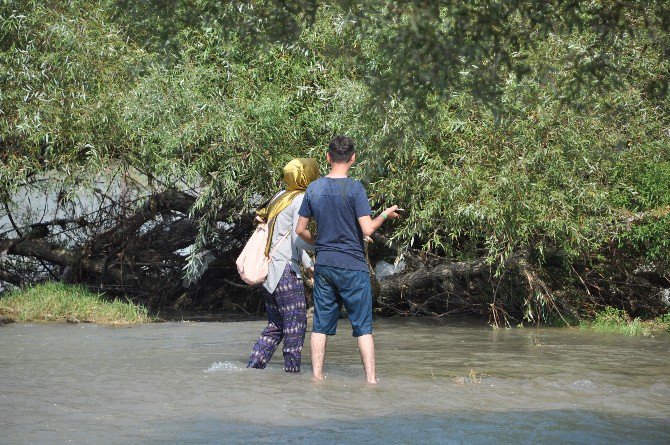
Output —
(440, 382)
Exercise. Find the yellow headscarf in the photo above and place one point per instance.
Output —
(297, 175)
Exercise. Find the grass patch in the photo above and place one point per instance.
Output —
(58, 302)
(614, 320)
(664, 322)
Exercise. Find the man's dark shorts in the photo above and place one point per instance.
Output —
(334, 286)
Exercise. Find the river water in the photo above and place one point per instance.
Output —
(440, 382)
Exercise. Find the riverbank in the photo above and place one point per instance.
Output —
(49, 302)
(57, 302)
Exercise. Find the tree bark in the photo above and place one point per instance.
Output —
(41, 249)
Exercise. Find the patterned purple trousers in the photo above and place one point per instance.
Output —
(287, 320)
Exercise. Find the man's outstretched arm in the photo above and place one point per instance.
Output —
(302, 231)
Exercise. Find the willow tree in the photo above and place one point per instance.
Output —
(527, 139)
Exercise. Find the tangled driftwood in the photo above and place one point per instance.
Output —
(135, 254)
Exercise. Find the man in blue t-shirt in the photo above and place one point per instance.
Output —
(342, 212)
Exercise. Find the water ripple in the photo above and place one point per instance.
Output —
(225, 366)
(583, 385)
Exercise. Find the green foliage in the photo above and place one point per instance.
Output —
(57, 302)
(499, 125)
(664, 320)
(614, 320)
(63, 68)
(646, 198)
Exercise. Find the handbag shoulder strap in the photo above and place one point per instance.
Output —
(279, 243)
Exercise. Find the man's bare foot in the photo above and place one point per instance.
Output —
(318, 379)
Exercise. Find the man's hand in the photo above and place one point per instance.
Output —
(392, 212)
(369, 225)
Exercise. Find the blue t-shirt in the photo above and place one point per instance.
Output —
(336, 204)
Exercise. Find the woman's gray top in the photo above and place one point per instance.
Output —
(292, 248)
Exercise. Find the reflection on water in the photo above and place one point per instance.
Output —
(440, 382)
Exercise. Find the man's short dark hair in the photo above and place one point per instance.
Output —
(341, 149)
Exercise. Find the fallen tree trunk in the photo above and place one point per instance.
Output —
(131, 255)
(413, 283)
(520, 291)
(115, 273)
(440, 288)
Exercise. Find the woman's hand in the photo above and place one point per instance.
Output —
(308, 276)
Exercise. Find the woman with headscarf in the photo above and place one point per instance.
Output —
(283, 289)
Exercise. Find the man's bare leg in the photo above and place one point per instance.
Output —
(366, 346)
(318, 346)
